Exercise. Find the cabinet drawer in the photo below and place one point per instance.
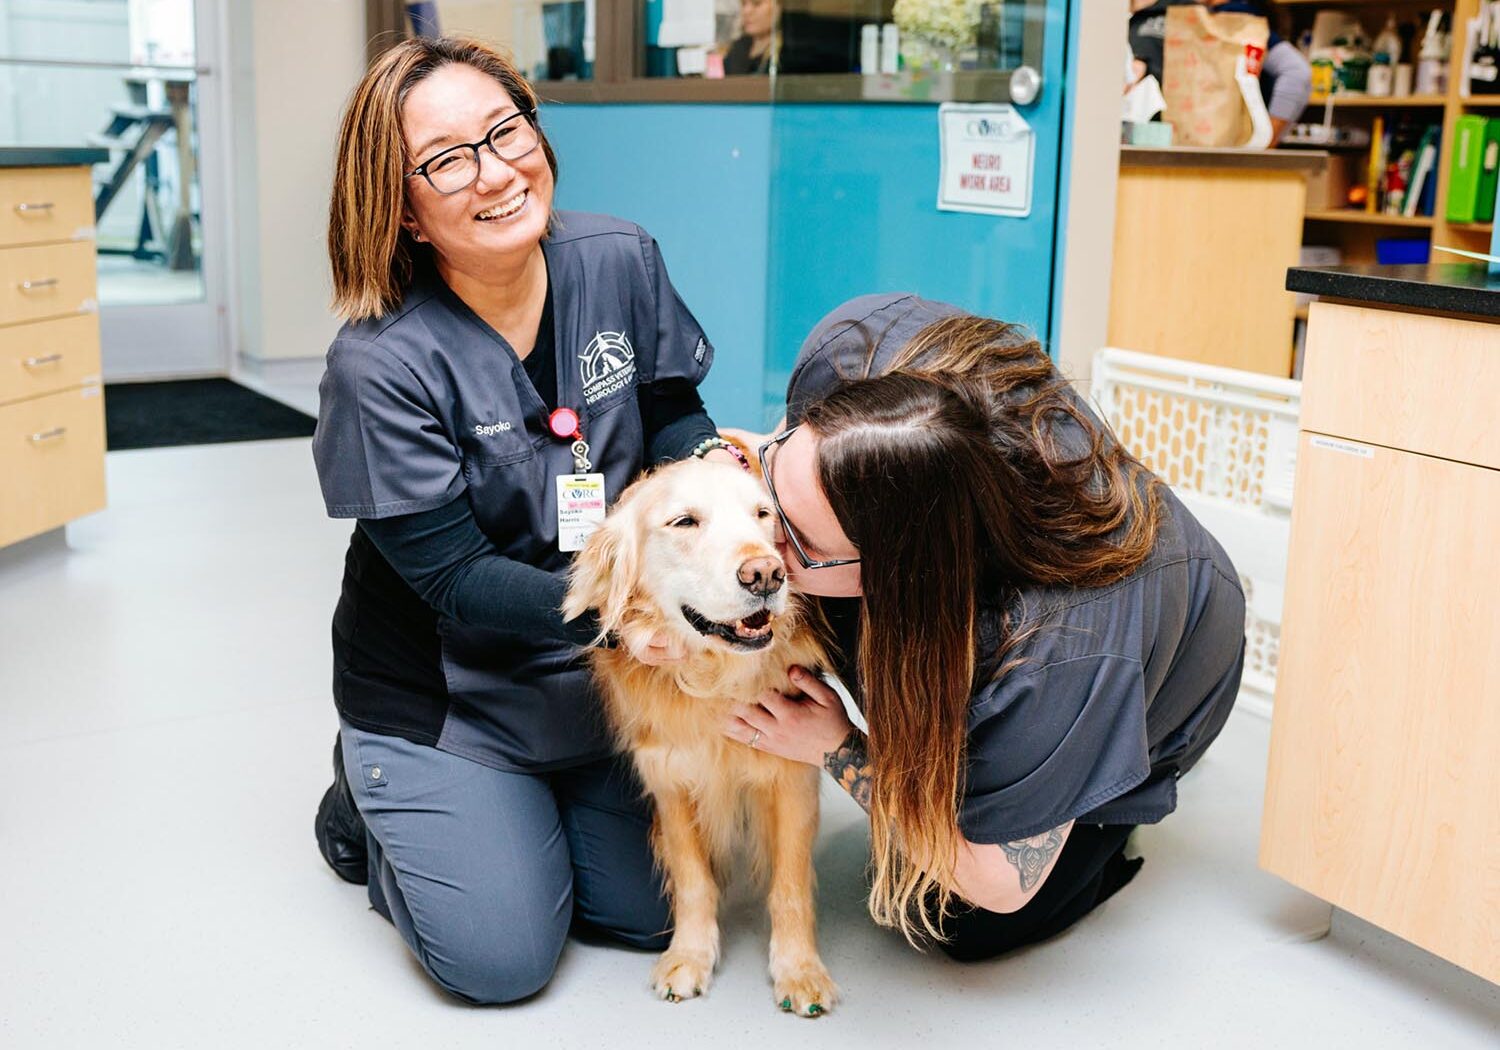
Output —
(51, 461)
(50, 280)
(40, 205)
(1411, 381)
(47, 356)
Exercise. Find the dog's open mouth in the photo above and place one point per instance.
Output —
(753, 632)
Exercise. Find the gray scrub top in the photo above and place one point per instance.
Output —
(1123, 687)
(429, 403)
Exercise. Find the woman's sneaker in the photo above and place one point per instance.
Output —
(340, 829)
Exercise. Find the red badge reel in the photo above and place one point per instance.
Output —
(564, 424)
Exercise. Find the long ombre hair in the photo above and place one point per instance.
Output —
(949, 475)
(370, 253)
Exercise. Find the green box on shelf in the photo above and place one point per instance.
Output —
(1489, 176)
(1467, 167)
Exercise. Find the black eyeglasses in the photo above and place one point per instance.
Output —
(457, 167)
(786, 525)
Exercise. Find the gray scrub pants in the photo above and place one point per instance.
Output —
(483, 871)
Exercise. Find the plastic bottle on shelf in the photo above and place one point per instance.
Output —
(1432, 59)
(890, 48)
(1386, 53)
(1388, 43)
(869, 49)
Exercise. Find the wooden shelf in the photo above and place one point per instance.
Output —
(1378, 102)
(1481, 102)
(1370, 218)
(1472, 227)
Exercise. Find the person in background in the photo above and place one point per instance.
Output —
(1285, 75)
(753, 50)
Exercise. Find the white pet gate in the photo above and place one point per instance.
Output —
(1226, 441)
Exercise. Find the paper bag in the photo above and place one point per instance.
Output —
(1200, 52)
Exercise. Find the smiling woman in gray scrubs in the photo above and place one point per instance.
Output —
(493, 347)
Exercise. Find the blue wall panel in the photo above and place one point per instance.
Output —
(770, 216)
(697, 178)
(854, 210)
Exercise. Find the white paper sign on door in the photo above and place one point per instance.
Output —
(988, 153)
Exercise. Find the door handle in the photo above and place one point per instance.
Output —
(37, 362)
(1025, 85)
(32, 286)
(47, 435)
(26, 209)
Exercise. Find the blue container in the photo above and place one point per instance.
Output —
(1393, 251)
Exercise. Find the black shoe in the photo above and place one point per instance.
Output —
(340, 829)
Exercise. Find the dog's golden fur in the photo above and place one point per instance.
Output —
(712, 793)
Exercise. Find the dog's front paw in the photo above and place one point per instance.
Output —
(680, 975)
(805, 990)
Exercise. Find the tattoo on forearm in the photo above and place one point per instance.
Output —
(849, 764)
(1031, 856)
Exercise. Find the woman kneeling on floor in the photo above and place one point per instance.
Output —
(1040, 636)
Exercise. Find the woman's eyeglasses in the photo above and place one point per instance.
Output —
(457, 167)
(791, 535)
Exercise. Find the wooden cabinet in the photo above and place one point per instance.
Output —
(1383, 793)
(1203, 239)
(51, 401)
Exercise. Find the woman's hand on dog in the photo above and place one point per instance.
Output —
(802, 728)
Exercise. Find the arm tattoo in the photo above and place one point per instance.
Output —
(850, 765)
(1031, 856)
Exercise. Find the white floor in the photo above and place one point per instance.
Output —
(164, 734)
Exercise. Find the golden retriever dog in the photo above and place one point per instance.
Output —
(689, 549)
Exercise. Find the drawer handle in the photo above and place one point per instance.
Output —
(48, 435)
(38, 206)
(37, 362)
(32, 286)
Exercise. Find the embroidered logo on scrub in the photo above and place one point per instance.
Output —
(485, 430)
(607, 364)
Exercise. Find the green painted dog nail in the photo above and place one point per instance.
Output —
(786, 1004)
(814, 1010)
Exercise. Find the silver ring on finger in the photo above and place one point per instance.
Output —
(754, 739)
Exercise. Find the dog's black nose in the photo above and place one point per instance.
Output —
(762, 576)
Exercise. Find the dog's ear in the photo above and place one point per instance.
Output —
(605, 573)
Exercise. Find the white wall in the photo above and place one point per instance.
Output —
(1089, 239)
(291, 66)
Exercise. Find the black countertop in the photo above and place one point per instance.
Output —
(50, 156)
(1453, 288)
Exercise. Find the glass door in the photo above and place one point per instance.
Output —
(126, 76)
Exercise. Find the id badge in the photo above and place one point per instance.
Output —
(580, 509)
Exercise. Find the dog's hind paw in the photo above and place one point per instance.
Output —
(806, 991)
(681, 975)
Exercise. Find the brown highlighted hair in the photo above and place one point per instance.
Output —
(370, 253)
(948, 474)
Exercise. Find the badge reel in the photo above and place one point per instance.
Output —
(580, 495)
